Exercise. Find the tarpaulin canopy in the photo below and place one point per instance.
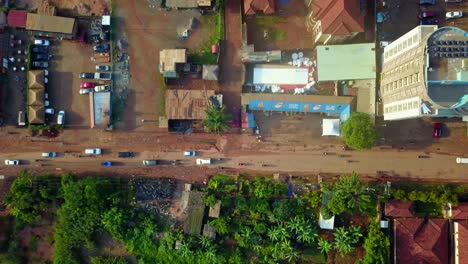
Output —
(331, 127)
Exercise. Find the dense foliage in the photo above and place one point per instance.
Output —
(217, 120)
(377, 246)
(349, 195)
(108, 260)
(359, 131)
(347, 238)
(31, 196)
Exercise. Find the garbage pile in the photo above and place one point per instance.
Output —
(154, 195)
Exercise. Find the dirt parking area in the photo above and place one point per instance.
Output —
(69, 60)
(292, 131)
(284, 30)
(14, 84)
(149, 30)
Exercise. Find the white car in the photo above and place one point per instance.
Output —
(102, 88)
(190, 153)
(103, 67)
(453, 14)
(61, 117)
(150, 162)
(50, 111)
(85, 91)
(46, 95)
(42, 42)
(12, 162)
(203, 161)
(49, 154)
(46, 103)
(93, 151)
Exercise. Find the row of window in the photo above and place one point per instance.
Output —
(403, 82)
(401, 107)
(402, 46)
(413, 64)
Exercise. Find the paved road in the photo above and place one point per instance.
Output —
(405, 164)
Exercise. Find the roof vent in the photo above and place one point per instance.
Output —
(327, 48)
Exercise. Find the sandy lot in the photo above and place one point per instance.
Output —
(71, 7)
(70, 58)
(148, 31)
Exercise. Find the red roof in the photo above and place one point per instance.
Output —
(339, 17)
(460, 211)
(420, 241)
(397, 208)
(251, 7)
(462, 241)
(17, 18)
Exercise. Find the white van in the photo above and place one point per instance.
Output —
(93, 151)
(61, 117)
(21, 118)
(462, 160)
(203, 161)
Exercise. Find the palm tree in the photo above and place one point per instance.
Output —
(216, 119)
(283, 233)
(345, 240)
(273, 234)
(324, 245)
(352, 193)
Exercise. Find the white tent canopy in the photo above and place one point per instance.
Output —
(331, 127)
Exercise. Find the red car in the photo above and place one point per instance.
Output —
(426, 14)
(87, 85)
(436, 130)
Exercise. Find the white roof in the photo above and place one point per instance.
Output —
(105, 20)
(326, 223)
(280, 75)
(331, 127)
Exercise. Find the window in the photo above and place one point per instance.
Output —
(415, 105)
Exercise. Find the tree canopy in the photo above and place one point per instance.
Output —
(377, 246)
(359, 131)
(217, 120)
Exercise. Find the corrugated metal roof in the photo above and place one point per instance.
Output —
(346, 62)
(17, 18)
(182, 3)
(50, 23)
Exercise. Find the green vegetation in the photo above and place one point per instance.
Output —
(267, 24)
(359, 131)
(118, 107)
(346, 239)
(204, 55)
(217, 120)
(350, 196)
(377, 246)
(108, 260)
(30, 197)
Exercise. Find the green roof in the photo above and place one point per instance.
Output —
(346, 62)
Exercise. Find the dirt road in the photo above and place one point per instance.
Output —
(398, 164)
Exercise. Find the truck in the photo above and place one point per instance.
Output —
(102, 76)
(205, 161)
(462, 160)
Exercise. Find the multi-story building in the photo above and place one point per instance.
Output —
(335, 21)
(425, 73)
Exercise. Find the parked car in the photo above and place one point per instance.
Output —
(426, 14)
(102, 76)
(103, 67)
(61, 117)
(93, 151)
(107, 163)
(49, 154)
(453, 1)
(462, 160)
(46, 72)
(427, 2)
(436, 130)
(453, 14)
(40, 64)
(101, 47)
(40, 49)
(87, 85)
(203, 161)
(150, 162)
(42, 42)
(126, 154)
(428, 21)
(46, 96)
(46, 103)
(87, 75)
(85, 91)
(190, 153)
(50, 111)
(102, 88)
(21, 118)
(12, 162)
(40, 56)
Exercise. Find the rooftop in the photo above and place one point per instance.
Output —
(17, 18)
(460, 211)
(461, 241)
(251, 7)
(36, 79)
(182, 3)
(36, 114)
(421, 241)
(50, 23)
(339, 17)
(100, 109)
(187, 104)
(192, 203)
(397, 208)
(346, 62)
(168, 58)
(215, 210)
